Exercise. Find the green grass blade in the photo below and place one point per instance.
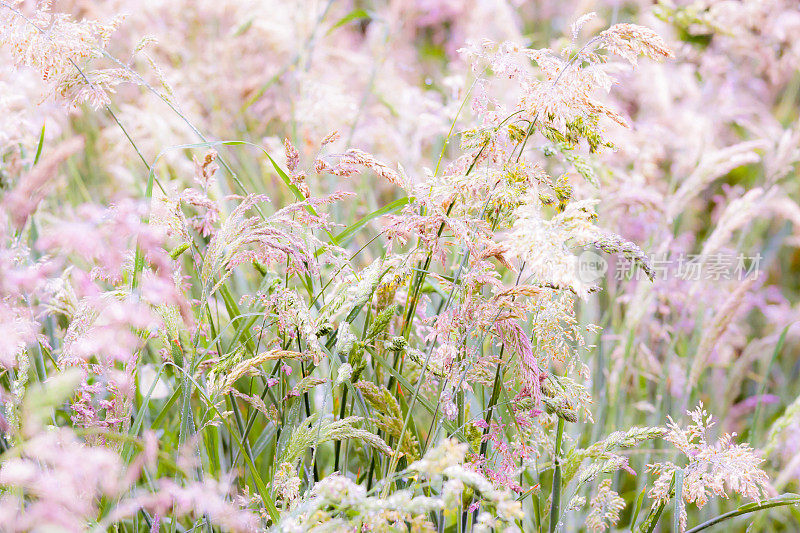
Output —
(780, 501)
(162, 414)
(757, 414)
(356, 14)
(360, 223)
(39, 146)
(676, 516)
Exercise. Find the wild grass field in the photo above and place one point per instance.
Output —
(399, 265)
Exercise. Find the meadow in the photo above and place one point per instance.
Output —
(383, 265)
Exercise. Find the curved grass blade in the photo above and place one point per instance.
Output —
(780, 501)
(356, 14)
(360, 223)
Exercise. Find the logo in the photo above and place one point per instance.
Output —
(591, 266)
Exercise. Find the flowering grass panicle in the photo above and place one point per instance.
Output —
(391, 266)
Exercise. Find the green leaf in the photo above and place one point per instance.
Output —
(39, 146)
(676, 516)
(360, 223)
(138, 263)
(165, 410)
(757, 415)
(651, 521)
(356, 14)
(137, 424)
(637, 508)
(780, 501)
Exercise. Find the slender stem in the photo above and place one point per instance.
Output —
(338, 444)
(556, 490)
(498, 380)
